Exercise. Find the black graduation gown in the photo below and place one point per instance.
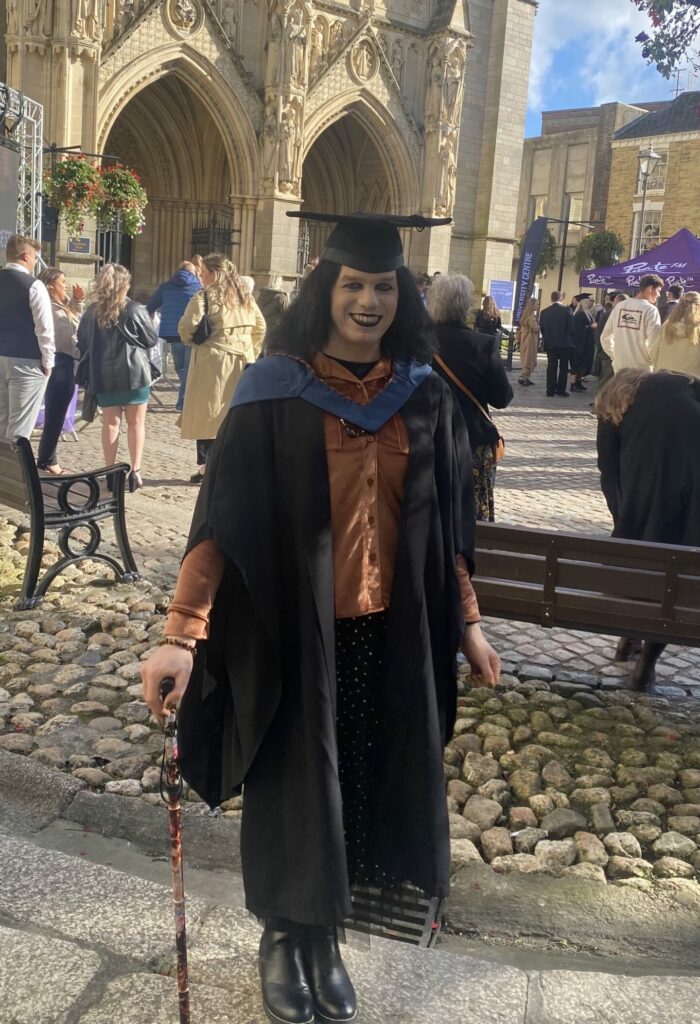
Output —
(650, 464)
(260, 707)
(584, 341)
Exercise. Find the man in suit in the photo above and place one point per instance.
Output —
(556, 324)
(675, 293)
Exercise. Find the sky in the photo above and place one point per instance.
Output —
(581, 63)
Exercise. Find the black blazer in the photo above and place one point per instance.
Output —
(557, 326)
(476, 360)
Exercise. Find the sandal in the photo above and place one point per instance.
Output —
(53, 470)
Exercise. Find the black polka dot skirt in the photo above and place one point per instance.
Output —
(359, 660)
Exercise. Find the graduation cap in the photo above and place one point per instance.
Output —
(369, 242)
(582, 296)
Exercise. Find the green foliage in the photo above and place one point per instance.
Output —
(599, 249)
(78, 190)
(548, 259)
(75, 189)
(675, 27)
(123, 196)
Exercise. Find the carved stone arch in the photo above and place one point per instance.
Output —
(401, 167)
(232, 119)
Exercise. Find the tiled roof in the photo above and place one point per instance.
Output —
(683, 115)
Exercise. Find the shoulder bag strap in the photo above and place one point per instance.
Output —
(462, 387)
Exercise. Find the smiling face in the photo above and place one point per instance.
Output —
(58, 289)
(363, 307)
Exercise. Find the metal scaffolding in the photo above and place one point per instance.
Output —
(22, 122)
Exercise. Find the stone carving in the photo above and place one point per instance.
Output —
(318, 45)
(270, 137)
(12, 17)
(39, 17)
(447, 175)
(435, 83)
(364, 60)
(85, 19)
(183, 14)
(397, 61)
(289, 147)
(337, 33)
(383, 44)
(296, 46)
(454, 84)
(229, 21)
(274, 49)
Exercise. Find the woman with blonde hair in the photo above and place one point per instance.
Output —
(115, 339)
(678, 345)
(216, 365)
(528, 334)
(649, 461)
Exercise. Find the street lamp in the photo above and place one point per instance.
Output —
(648, 160)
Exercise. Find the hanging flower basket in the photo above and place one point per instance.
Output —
(74, 187)
(124, 199)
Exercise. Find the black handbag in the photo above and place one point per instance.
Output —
(204, 328)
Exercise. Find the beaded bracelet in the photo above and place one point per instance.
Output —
(175, 641)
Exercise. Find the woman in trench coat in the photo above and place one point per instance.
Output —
(529, 338)
(238, 329)
(326, 591)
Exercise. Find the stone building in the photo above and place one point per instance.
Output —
(236, 111)
(673, 189)
(566, 175)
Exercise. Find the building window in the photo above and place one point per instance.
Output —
(657, 180)
(574, 204)
(650, 231)
(537, 208)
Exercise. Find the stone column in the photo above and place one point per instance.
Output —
(492, 138)
(289, 45)
(447, 57)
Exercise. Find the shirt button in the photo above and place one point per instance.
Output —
(371, 437)
(372, 556)
(370, 481)
(370, 520)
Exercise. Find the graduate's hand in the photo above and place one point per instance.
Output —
(485, 663)
(165, 662)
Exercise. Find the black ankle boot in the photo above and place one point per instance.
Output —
(334, 996)
(286, 994)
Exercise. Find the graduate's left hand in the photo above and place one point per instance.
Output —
(485, 663)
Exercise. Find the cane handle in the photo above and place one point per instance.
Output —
(167, 686)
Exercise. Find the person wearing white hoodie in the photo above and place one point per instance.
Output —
(633, 327)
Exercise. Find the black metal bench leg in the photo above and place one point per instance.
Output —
(27, 597)
(125, 551)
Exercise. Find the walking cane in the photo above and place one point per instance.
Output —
(171, 791)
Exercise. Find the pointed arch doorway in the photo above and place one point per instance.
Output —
(347, 169)
(167, 134)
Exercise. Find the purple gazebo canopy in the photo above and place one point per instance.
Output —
(677, 261)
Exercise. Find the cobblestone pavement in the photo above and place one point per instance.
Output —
(549, 479)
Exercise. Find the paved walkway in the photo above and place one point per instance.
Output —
(549, 479)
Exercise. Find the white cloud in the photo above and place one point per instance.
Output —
(606, 60)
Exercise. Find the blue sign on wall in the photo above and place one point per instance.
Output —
(503, 294)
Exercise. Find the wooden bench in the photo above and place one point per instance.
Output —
(595, 584)
(64, 504)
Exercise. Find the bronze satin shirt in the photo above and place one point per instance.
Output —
(366, 477)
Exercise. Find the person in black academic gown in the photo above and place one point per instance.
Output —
(649, 461)
(334, 727)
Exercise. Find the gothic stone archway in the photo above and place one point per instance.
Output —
(167, 134)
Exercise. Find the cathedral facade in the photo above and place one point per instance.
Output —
(236, 111)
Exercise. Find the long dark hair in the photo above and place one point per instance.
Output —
(306, 324)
